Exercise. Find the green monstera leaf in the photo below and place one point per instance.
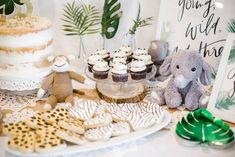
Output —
(9, 6)
(110, 18)
(81, 20)
(231, 26)
(202, 127)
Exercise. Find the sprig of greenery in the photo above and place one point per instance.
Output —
(231, 57)
(140, 22)
(111, 17)
(9, 6)
(231, 26)
(225, 102)
(81, 20)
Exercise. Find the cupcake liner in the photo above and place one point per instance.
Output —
(100, 74)
(138, 75)
(149, 68)
(90, 67)
(120, 77)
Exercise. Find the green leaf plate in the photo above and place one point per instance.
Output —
(202, 127)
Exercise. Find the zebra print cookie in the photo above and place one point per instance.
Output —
(140, 121)
(121, 128)
(83, 110)
(98, 121)
(100, 133)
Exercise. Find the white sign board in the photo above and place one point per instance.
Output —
(196, 24)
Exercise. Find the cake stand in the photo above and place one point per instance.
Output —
(121, 92)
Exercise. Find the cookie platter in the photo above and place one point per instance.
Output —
(121, 92)
(135, 131)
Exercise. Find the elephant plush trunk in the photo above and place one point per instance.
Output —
(181, 81)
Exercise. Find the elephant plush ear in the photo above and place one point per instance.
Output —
(205, 76)
(165, 67)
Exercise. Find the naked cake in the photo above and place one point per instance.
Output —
(25, 44)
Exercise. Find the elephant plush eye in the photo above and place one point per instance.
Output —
(177, 66)
(193, 69)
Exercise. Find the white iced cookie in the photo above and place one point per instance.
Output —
(121, 128)
(71, 136)
(72, 124)
(100, 133)
(98, 121)
(117, 113)
(83, 110)
(129, 107)
(137, 66)
(140, 121)
(153, 108)
(101, 65)
(101, 107)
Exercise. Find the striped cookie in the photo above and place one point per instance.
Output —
(101, 107)
(72, 124)
(98, 121)
(121, 128)
(139, 121)
(48, 142)
(83, 110)
(153, 108)
(56, 115)
(14, 129)
(71, 136)
(23, 143)
(100, 133)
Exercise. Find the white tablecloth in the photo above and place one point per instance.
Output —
(160, 144)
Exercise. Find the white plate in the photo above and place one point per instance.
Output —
(75, 149)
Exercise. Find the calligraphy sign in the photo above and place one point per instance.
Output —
(196, 24)
(222, 100)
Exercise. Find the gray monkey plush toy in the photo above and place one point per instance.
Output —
(189, 71)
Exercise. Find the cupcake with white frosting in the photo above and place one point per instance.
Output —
(138, 70)
(128, 51)
(100, 69)
(93, 58)
(148, 62)
(119, 72)
(105, 55)
(138, 53)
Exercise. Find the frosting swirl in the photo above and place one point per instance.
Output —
(126, 49)
(147, 59)
(137, 66)
(101, 65)
(93, 58)
(119, 68)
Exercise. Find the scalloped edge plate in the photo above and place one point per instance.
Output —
(114, 141)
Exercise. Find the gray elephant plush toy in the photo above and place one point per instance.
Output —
(189, 71)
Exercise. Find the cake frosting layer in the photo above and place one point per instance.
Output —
(29, 41)
(25, 25)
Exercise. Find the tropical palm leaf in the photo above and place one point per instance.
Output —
(213, 74)
(140, 22)
(110, 18)
(225, 101)
(200, 126)
(231, 26)
(9, 5)
(231, 57)
(81, 20)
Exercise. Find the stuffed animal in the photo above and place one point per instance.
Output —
(184, 88)
(158, 51)
(60, 81)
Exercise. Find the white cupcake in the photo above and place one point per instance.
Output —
(93, 58)
(128, 51)
(119, 72)
(137, 53)
(105, 55)
(148, 62)
(100, 69)
(138, 70)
